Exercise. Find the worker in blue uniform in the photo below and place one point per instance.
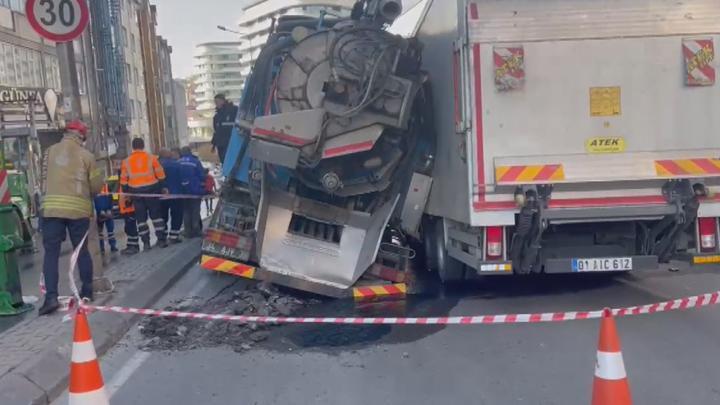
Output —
(193, 183)
(172, 208)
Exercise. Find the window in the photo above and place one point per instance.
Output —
(21, 66)
(141, 112)
(15, 5)
(37, 69)
(128, 73)
(82, 80)
(137, 76)
(132, 43)
(52, 73)
(132, 109)
(125, 36)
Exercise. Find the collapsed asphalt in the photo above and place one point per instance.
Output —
(178, 334)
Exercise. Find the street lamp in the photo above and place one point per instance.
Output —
(224, 28)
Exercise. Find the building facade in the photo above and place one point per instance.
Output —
(217, 70)
(181, 117)
(26, 59)
(258, 16)
(170, 101)
(155, 107)
(134, 69)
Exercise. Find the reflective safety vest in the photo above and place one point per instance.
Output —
(125, 205)
(105, 189)
(141, 169)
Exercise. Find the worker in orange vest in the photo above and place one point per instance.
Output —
(127, 212)
(141, 173)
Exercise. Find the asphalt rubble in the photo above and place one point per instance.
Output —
(182, 334)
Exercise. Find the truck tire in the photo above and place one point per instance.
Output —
(437, 258)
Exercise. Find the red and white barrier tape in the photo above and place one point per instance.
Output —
(674, 305)
(164, 196)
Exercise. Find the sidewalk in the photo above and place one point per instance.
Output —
(34, 364)
(30, 267)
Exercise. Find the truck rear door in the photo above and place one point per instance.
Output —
(607, 100)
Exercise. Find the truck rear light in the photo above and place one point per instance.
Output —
(707, 228)
(494, 243)
(222, 238)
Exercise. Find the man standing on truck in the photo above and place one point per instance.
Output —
(223, 122)
(142, 174)
(70, 180)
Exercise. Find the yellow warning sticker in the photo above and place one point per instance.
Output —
(605, 144)
(604, 101)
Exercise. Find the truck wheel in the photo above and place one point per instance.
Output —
(448, 268)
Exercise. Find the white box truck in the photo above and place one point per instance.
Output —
(584, 135)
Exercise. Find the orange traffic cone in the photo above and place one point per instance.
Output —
(610, 386)
(86, 382)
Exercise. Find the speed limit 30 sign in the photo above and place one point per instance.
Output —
(58, 20)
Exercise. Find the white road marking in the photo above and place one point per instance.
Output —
(138, 359)
(127, 370)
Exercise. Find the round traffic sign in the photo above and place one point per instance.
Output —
(58, 20)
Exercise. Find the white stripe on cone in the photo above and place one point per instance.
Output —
(610, 366)
(83, 352)
(97, 397)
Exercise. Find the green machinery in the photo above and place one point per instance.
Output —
(14, 236)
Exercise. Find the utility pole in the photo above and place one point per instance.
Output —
(73, 110)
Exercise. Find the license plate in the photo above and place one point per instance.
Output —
(602, 264)
(220, 250)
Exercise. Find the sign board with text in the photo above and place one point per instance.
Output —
(58, 20)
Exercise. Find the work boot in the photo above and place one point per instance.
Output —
(113, 249)
(49, 306)
(86, 294)
(130, 251)
(162, 243)
(176, 240)
(146, 244)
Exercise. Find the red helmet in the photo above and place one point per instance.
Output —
(78, 126)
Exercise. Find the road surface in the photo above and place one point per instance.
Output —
(671, 358)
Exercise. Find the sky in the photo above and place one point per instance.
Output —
(186, 23)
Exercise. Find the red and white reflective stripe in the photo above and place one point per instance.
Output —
(674, 305)
(348, 149)
(267, 133)
(5, 194)
(82, 352)
(610, 366)
(163, 196)
(96, 397)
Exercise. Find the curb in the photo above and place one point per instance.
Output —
(45, 377)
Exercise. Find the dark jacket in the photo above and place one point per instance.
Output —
(223, 123)
(173, 175)
(192, 175)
